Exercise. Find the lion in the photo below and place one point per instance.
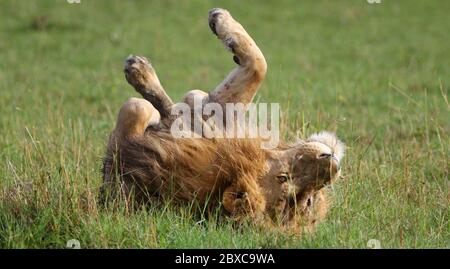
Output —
(284, 186)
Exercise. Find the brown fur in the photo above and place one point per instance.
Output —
(186, 170)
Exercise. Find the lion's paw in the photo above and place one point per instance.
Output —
(231, 32)
(138, 72)
(137, 64)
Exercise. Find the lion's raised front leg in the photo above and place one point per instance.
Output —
(242, 83)
(142, 76)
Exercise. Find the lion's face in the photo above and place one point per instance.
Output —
(305, 169)
(314, 166)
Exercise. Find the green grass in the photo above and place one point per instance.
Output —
(377, 74)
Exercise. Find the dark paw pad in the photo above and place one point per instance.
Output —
(212, 18)
(236, 60)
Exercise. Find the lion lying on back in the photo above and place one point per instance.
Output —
(282, 186)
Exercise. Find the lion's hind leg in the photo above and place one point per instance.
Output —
(242, 83)
(134, 117)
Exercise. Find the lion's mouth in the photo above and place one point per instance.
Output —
(296, 201)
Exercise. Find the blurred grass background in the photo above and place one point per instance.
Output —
(377, 74)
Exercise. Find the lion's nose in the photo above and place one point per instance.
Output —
(325, 155)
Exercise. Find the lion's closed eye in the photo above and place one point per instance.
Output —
(283, 177)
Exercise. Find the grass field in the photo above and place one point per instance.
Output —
(377, 74)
